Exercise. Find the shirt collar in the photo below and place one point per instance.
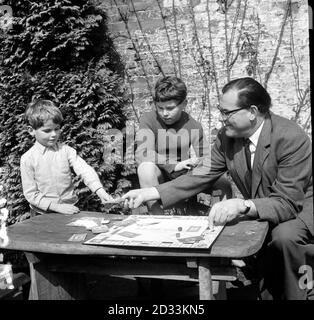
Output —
(254, 137)
(42, 149)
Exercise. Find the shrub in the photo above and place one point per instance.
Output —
(60, 50)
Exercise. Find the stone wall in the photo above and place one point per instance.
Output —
(266, 39)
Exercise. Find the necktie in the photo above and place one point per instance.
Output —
(248, 175)
(247, 143)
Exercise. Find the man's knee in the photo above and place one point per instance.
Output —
(286, 234)
(149, 174)
(147, 169)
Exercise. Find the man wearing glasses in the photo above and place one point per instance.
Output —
(270, 160)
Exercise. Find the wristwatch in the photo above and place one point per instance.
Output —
(247, 204)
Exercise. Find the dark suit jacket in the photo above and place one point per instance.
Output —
(281, 178)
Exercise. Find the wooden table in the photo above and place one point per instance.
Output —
(57, 265)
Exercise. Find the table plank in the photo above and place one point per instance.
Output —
(49, 234)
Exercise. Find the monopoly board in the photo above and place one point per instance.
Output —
(160, 231)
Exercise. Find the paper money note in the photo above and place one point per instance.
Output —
(78, 237)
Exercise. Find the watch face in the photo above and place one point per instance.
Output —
(248, 206)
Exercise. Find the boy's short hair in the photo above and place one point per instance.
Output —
(170, 88)
(40, 111)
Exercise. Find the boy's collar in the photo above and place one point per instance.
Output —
(42, 148)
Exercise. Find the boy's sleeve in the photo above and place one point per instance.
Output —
(30, 190)
(83, 170)
(199, 142)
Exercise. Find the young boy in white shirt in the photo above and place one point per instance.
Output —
(46, 167)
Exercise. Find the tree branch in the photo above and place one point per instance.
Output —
(239, 37)
(125, 20)
(204, 77)
(146, 40)
(132, 96)
(296, 73)
(284, 20)
(234, 23)
(212, 51)
(168, 37)
(177, 37)
(226, 43)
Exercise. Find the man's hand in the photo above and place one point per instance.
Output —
(225, 211)
(103, 195)
(186, 164)
(134, 198)
(64, 208)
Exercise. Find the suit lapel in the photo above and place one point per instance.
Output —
(261, 153)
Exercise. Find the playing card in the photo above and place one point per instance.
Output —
(78, 237)
(100, 229)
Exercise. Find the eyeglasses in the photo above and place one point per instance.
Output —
(228, 114)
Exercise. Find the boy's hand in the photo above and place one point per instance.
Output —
(64, 208)
(186, 164)
(103, 195)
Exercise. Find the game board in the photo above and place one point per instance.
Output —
(160, 231)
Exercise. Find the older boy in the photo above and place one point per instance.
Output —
(45, 168)
(165, 137)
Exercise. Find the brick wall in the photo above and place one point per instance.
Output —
(175, 37)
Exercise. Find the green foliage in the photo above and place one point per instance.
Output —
(60, 50)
